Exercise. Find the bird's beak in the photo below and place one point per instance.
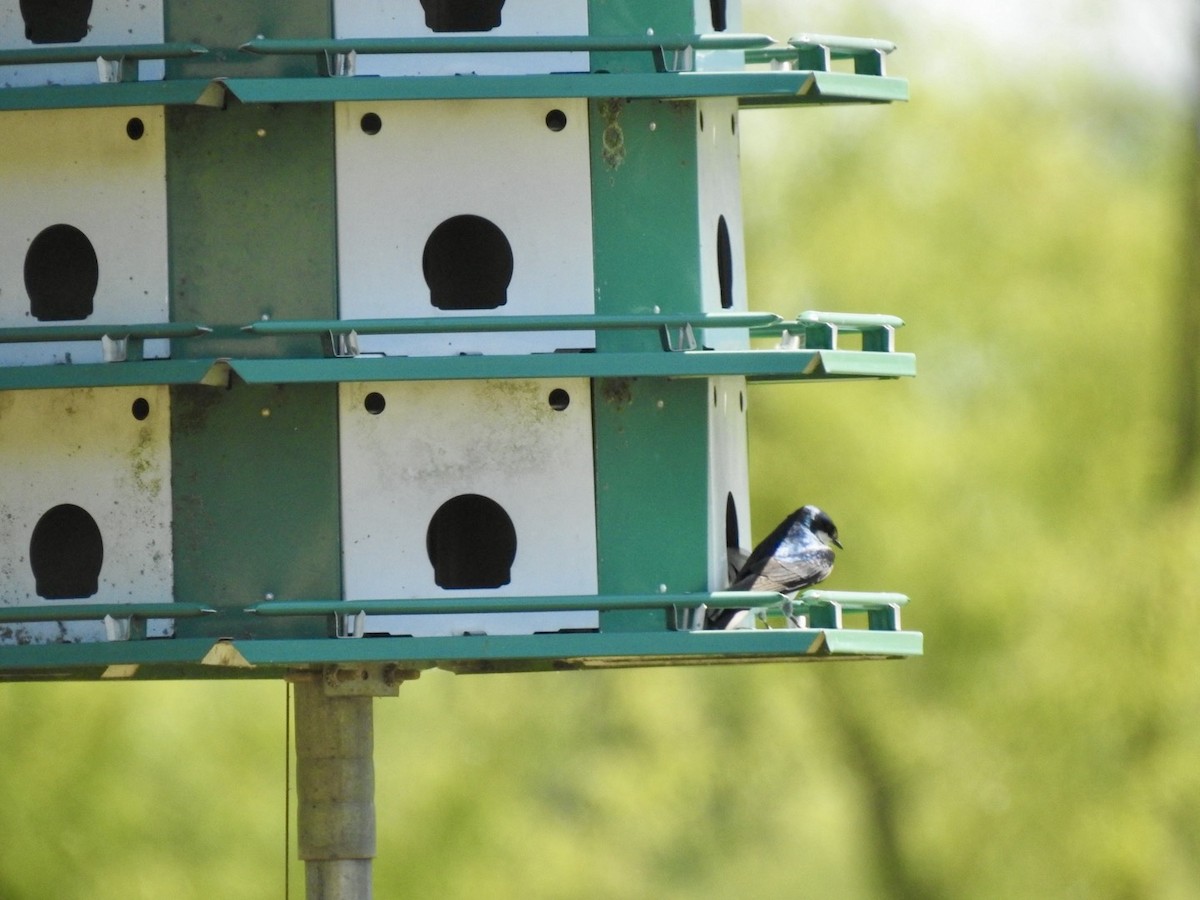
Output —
(836, 543)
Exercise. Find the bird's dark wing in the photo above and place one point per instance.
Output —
(767, 546)
(772, 574)
(785, 575)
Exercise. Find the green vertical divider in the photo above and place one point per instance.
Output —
(625, 17)
(251, 209)
(255, 503)
(651, 505)
(651, 436)
(224, 26)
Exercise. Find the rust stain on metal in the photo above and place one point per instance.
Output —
(612, 140)
(617, 392)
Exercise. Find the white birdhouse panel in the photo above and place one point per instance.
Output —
(465, 208)
(722, 247)
(468, 489)
(76, 23)
(728, 477)
(85, 226)
(463, 18)
(85, 512)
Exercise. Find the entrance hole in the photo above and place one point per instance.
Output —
(468, 264)
(55, 21)
(724, 264)
(732, 537)
(471, 543)
(462, 15)
(719, 20)
(66, 552)
(61, 274)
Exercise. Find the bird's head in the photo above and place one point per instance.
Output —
(821, 525)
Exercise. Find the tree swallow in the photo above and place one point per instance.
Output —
(794, 556)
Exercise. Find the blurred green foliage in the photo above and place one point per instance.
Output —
(1044, 746)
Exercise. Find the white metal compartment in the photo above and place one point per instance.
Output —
(722, 245)
(107, 452)
(428, 163)
(728, 474)
(106, 22)
(409, 447)
(103, 173)
(518, 18)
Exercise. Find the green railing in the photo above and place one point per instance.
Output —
(816, 53)
(821, 330)
(95, 612)
(805, 348)
(670, 52)
(799, 71)
(822, 608)
(502, 604)
(118, 62)
(826, 609)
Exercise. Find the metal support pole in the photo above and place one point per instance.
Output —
(335, 777)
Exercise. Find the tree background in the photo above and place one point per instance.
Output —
(1026, 215)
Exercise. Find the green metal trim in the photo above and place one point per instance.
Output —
(817, 51)
(652, 43)
(842, 46)
(755, 89)
(855, 322)
(255, 493)
(116, 374)
(839, 642)
(756, 365)
(862, 601)
(828, 87)
(189, 92)
(271, 658)
(820, 330)
(559, 603)
(79, 53)
(457, 324)
(73, 660)
(94, 612)
(861, 364)
(540, 43)
(39, 334)
(579, 650)
(825, 609)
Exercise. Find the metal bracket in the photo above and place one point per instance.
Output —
(116, 629)
(678, 60)
(114, 71)
(684, 339)
(115, 349)
(792, 340)
(339, 65)
(365, 680)
(344, 344)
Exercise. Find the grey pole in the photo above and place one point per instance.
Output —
(335, 777)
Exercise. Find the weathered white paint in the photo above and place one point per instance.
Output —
(719, 194)
(437, 440)
(362, 18)
(431, 161)
(728, 472)
(109, 22)
(84, 446)
(81, 168)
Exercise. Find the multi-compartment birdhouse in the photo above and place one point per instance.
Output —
(342, 331)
